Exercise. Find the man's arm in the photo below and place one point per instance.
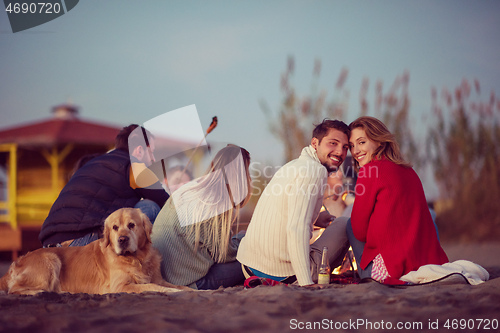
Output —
(146, 184)
(158, 196)
(304, 201)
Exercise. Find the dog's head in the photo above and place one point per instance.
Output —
(127, 230)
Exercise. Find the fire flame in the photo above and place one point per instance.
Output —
(349, 263)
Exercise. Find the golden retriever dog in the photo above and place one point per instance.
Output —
(122, 261)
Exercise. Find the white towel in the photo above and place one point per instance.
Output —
(474, 273)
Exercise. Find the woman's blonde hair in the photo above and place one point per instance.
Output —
(377, 132)
(215, 201)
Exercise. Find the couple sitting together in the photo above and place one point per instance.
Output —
(390, 230)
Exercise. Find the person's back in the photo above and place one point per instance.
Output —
(277, 242)
(193, 230)
(399, 222)
(391, 229)
(96, 190)
(288, 194)
(103, 185)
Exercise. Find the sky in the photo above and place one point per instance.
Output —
(128, 61)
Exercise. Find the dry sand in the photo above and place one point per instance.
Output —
(336, 308)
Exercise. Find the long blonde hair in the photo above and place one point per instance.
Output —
(377, 132)
(209, 206)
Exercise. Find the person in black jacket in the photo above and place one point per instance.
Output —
(114, 180)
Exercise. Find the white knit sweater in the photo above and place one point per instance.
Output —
(277, 238)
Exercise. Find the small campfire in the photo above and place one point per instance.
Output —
(348, 264)
(348, 267)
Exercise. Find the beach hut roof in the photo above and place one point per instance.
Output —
(65, 127)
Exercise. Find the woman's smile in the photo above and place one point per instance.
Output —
(362, 148)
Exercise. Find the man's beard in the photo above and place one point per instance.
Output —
(331, 169)
(334, 168)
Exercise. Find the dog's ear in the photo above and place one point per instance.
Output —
(105, 236)
(148, 226)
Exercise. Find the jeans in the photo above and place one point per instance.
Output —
(148, 207)
(228, 274)
(335, 239)
(222, 275)
(87, 239)
(357, 249)
(433, 215)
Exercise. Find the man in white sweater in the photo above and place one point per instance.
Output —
(276, 244)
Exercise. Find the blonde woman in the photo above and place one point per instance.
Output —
(391, 230)
(193, 230)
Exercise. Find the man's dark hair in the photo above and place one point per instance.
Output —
(122, 139)
(321, 130)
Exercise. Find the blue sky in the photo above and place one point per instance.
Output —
(127, 61)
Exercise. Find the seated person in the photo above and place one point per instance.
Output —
(193, 230)
(391, 229)
(277, 241)
(101, 186)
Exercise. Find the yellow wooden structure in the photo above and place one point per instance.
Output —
(36, 161)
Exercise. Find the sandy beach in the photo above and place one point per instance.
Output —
(450, 305)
